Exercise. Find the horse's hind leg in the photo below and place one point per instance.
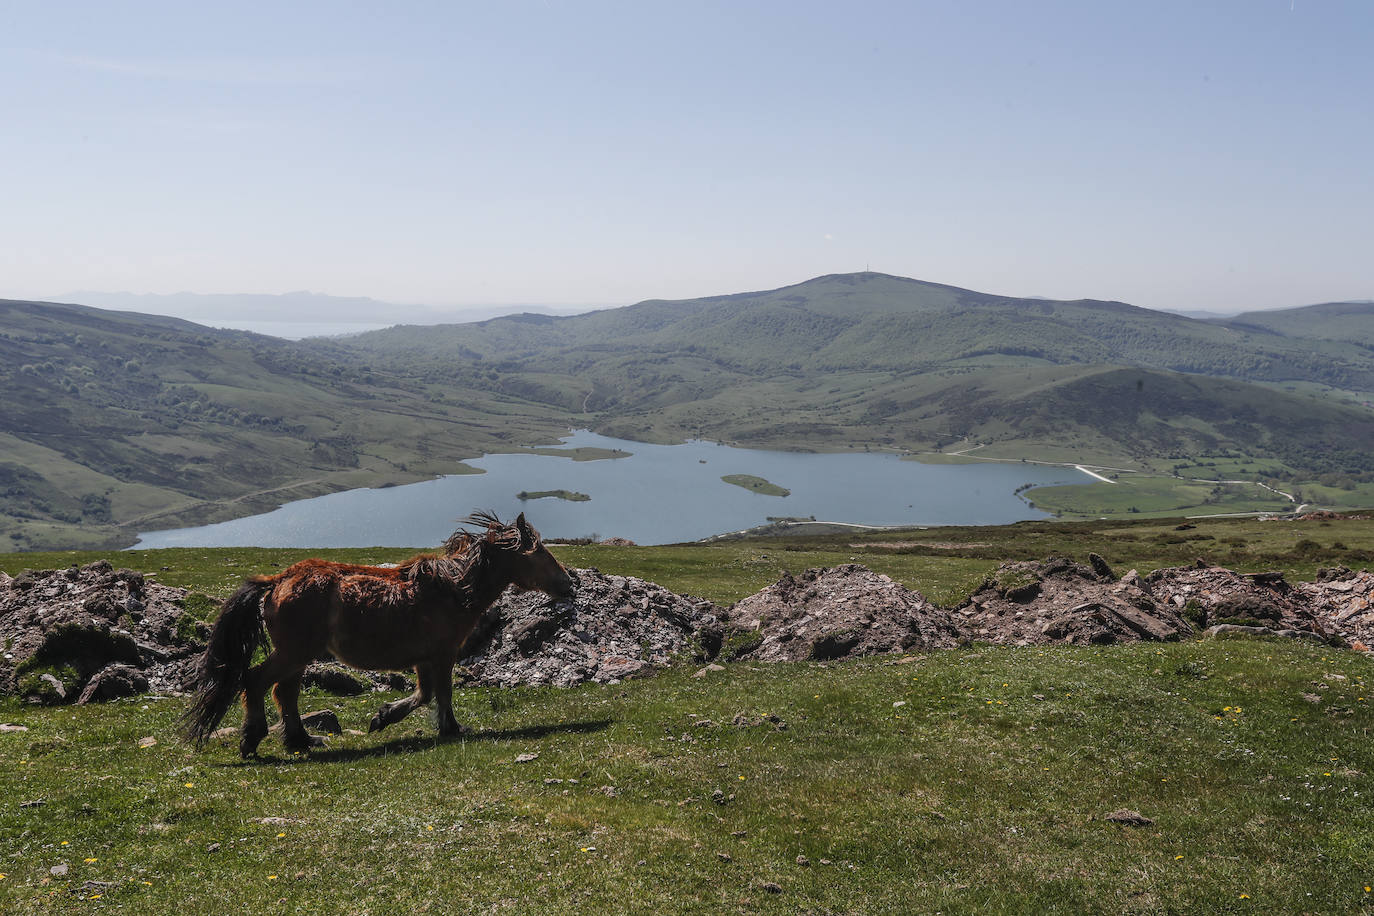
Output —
(259, 678)
(396, 710)
(287, 694)
(443, 699)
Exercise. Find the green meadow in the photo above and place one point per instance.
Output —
(976, 780)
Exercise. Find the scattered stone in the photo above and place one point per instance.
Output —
(833, 613)
(526, 758)
(1129, 818)
(725, 857)
(803, 861)
(11, 727)
(709, 668)
(609, 791)
(718, 797)
(57, 871)
(213, 847)
(744, 720)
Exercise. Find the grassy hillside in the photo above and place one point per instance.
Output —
(976, 780)
(1339, 321)
(115, 419)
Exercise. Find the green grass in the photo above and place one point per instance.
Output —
(984, 791)
(1160, 496)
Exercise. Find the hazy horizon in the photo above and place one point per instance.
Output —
(316, 314)
(1173, 155)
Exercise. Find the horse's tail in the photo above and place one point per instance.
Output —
(221, 671)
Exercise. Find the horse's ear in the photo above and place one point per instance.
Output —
(527, 535)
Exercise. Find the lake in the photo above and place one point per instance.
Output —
(661, 494)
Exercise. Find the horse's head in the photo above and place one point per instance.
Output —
(525, 559)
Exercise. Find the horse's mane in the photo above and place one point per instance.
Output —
(465, 555)
(496, 532)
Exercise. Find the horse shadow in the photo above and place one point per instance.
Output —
(414, 744)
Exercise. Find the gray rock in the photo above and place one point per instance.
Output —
(113, 682)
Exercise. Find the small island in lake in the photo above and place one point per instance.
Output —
(580, 453)
(756, 484)
(569, 495)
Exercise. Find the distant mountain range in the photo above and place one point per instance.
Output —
(113, 421)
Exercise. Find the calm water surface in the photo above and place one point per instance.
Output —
(662, 494)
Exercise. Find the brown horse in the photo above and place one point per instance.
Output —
(416, 615)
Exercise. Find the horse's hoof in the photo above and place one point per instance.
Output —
(304, 743)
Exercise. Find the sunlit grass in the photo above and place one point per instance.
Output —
(963, 781)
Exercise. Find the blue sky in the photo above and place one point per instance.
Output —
(1188, 155)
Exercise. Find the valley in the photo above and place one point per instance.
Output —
(116, 421)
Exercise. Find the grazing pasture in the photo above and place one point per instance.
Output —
(972, 780)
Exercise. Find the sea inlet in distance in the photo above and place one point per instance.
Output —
(659, 494)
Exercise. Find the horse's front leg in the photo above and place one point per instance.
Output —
(396, 710)
(443, 699)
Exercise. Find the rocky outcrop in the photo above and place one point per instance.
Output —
(1344, 601)
(615, 627)
(1061, 601)
(94, 633)
(1212, 596)
(834, 613)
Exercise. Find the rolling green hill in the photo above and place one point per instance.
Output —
(1339, 321)
(113, 421)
